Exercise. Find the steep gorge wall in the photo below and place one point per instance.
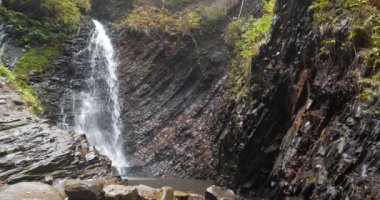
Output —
(166, 84)
(306, 134)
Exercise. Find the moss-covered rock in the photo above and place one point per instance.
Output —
(40, 26)
(65, 13)
(26, 91)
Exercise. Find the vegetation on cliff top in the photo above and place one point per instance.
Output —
(187, 16)
(40, 21)
(41, 26)
(363, 21)
(147, 18)
(248, 34)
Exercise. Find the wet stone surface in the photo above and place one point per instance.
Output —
(32, 149)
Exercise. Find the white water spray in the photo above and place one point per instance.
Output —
(2, 36)
(99, 115)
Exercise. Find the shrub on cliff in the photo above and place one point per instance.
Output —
(64, 13)
(40, 21)
(148, 18)
(361, 18)
(41, 26)
(246, 35)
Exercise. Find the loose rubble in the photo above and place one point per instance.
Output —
(104, 189)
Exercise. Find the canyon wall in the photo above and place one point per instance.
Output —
(304, 133)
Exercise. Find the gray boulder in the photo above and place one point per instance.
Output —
(218, 193)
(120, 192)
(84, 189)
(30, 190)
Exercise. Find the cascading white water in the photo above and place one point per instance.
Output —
(99, 110)
(2, 37)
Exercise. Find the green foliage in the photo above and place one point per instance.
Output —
(26, 91)
(234, 30)
(363, 21)
(63, 13)
(246, 35)
(41, 25)
(52, 24)
(254, 35)
(328, 45)
(371, 90)
(321, 9)
(147, 18)
(239, 79)
(5, 72)
(32, 61)
(354, 4)
(175, 16)
(249, 34)
(193, 20)
(35, 61)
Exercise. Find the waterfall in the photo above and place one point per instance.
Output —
(99, 107)
(2, 39)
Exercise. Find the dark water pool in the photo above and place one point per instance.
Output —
(195, 186)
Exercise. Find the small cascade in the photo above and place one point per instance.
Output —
(3, 35)
(96, 107)
(9, 49)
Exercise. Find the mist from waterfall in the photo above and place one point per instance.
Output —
(99, 106)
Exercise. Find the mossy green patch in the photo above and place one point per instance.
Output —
(40, 25)
(371, 90)
(26, 91)
(363, 23)
(63, 13)
(52, 23)
(34, 61)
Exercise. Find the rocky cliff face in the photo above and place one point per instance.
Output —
(33, 150)
(168, 86)
(110, 9)
(305, 134)
(65, 77)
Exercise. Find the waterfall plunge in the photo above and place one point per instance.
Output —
(99, 110)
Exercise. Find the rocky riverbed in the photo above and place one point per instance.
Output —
(104, 189)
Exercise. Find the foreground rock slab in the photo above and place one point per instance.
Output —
(120, 192)
(32, 149)
(219, 193)
(30, 190)
(84, 189)
(103, 189)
